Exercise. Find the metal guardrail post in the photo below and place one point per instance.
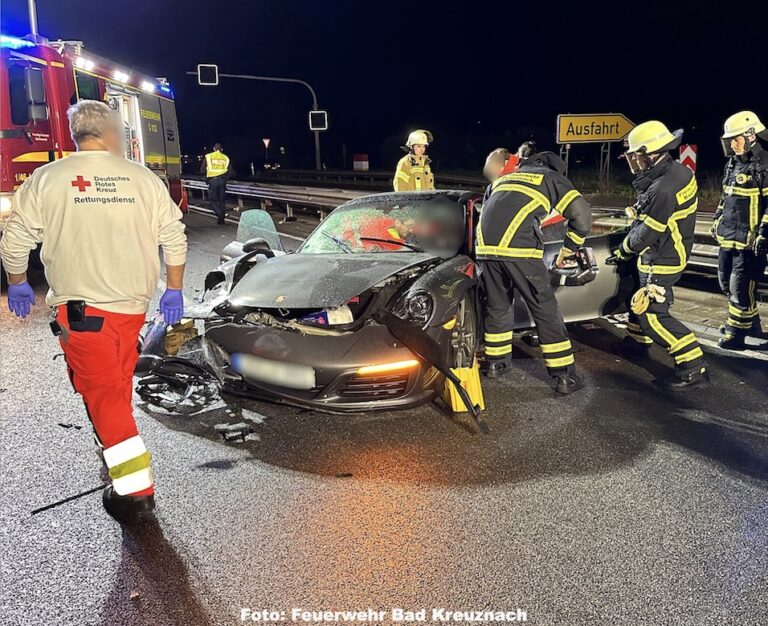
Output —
(288, 211)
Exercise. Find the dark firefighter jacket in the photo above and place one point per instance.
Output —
(743, 210)
(666, 206)
(515, 205)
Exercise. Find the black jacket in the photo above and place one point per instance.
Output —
(743, 208)
(662, 234)
(515, 205)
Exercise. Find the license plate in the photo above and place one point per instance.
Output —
(291, 375)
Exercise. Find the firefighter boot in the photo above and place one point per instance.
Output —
(756, 330)
(568, 382)
(498, 367)
(127, 510)
(732, 342)
(692, 380)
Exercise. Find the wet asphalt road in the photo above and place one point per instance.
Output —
(619, 505)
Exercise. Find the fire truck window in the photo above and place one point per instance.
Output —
(18, 95)
(87, 86)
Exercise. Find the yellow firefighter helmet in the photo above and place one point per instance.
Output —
(653, 136)
(419, 138)
(742, 123)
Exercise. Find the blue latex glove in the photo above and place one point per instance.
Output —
(20, 298)
(172, 306)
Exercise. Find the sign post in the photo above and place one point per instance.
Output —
(602, 128)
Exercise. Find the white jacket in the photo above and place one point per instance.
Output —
(100, 219)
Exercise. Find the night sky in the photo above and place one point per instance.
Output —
(482, 75)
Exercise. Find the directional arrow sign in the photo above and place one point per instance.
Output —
(592, 127)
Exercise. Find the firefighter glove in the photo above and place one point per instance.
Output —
(714, 227)
(642, 299)
(566, 258)
(761, 245)
(172, 306)
(618, 256)
(631, 212)
(20, 298)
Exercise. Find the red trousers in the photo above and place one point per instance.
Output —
(101, 370)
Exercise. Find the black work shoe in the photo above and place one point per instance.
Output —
(127, 510)
(568, 383)
(693, 380)
(732, 342)
(497, 369)
(630, 347)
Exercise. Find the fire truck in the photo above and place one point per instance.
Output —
(40, 79)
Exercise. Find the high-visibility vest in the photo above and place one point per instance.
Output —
(216, 164)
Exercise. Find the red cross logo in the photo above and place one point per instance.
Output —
(81, 183)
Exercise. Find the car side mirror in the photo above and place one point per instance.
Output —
(257, 244)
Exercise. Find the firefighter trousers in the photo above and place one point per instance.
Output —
(656, 325)
(503, 282)
(100, 365)
(739, 272)
(217, 192)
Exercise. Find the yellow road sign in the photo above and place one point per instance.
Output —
(592, 127)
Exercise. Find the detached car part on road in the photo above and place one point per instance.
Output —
(306, 329)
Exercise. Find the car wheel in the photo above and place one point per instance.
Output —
(464, 334)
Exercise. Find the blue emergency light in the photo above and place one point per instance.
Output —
(15, 43)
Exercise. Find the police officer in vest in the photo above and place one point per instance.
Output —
(217, 169)
(413, 170)
(660, 241)
(741, 226)
(510, 251)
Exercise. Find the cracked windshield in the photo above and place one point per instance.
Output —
(435, 226)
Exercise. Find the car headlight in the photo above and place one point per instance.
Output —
(415, 306)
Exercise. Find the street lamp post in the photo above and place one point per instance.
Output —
(274, 79)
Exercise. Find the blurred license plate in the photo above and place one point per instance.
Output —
(290, 375)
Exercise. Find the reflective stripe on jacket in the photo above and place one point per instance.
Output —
(516, 204)
(216, 164)
(743, 210)
(414, 174)
(662, 234)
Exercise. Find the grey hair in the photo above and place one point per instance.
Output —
(90, 118)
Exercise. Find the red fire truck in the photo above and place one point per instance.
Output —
(39, 79)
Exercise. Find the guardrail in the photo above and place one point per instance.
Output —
(320, 200)
(371, 178)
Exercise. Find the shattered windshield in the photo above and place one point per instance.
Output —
(435, 225)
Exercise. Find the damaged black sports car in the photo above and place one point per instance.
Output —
(310, 328)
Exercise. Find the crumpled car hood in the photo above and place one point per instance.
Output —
(306, 281)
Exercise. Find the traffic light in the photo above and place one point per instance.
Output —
(208, 74)
(318, 120)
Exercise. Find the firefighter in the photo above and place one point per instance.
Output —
(510, 251)
(500, 162)
(100, 219)
(217, 169)
(741, 226)
(659, 242)
(413, 171)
